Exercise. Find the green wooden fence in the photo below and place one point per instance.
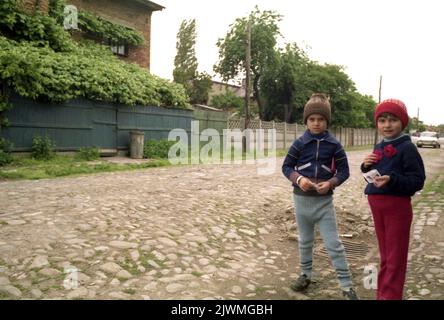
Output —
(83, 123)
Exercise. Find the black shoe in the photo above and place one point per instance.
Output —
(350, 294)
(301, 283)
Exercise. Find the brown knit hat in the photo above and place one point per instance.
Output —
(319, 104)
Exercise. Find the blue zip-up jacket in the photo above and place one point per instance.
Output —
(317, 157)
(405, 168)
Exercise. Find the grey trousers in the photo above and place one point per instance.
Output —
(320, 210)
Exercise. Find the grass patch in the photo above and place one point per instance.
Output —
(196, 273)
(23, 290)
(131, 267)
(221, 264)
(436, 185)
(129, 291)
(62, 165)
(35, 280)
(414, 290)
(4, 296)
(145, 257)
(259, 290)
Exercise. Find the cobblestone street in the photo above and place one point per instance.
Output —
(193, 232)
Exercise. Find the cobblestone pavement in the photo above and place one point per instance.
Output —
(425, 279)
(191, 232)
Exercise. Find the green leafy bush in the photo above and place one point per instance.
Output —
(42, 148)
(88, 154)
(227, 100)
(39, 60)
(157, 148)
(104, 29)
(5, 152)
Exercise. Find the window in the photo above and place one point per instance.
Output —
(119, 48)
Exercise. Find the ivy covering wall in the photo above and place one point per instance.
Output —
(40, 60)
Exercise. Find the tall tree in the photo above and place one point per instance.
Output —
(283, 85)
(185, 71)
(289, 82)
(264, 33)
(200, 88)
(185, 62)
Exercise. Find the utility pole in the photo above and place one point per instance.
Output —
(247, 82)
(417, 121)
(379, 101)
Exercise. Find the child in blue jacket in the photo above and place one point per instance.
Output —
(316, 163)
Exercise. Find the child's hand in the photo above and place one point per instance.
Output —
(381, 181)
(306, 185)
(323, 187)
(370, 159)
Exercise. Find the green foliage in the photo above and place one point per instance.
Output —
(185, 72)
(104, 29)
(56, 10)
(227, 100)
(5, 152)
(157, 148)
(42, 30)
(232, 48)
(294, 77)
(90, 71)
(42, 148)
(62, 165)
(200, 89)
(88, 153)
(185, 62)
(44, 63)
(283, 84)
(417, 126)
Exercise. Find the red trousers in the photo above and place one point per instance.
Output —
(392, 216)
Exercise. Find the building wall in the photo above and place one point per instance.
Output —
(220, 87)
(126, 13)
(31, 6)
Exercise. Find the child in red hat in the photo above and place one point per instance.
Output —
(400, 174)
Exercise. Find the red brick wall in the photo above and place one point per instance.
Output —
(31, 6)
(126, 13)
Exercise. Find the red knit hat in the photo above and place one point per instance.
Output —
(393, 106)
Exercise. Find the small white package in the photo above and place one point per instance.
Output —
(371, 175)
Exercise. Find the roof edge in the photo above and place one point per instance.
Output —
(152, 5)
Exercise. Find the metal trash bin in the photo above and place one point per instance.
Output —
(136, 144)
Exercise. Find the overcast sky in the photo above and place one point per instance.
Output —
(402, 40)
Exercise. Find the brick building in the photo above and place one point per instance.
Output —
(218, 87)
(133, 14)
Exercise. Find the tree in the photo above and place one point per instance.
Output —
(228, 100)
(290, 81)
(414, 125)
(200, 88)
(283, 85)
(185, 62)
(264, 32)
(185, 71)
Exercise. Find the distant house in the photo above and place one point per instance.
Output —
(239, 90)
(133, 14)
(222, 87)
